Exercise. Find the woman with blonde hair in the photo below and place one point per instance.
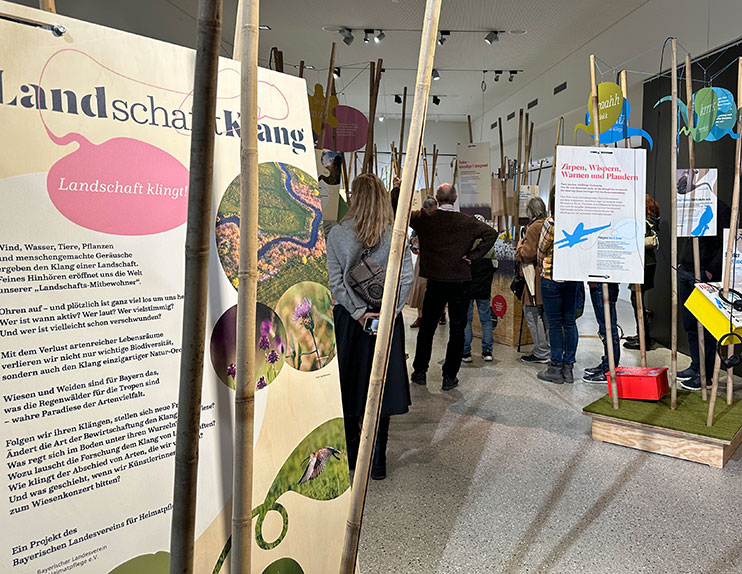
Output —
(367, 226)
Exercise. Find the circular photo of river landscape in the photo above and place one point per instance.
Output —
(291, 246)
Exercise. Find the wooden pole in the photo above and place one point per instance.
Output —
(554, 161)
(606, 299)
(503, 177)
(471, 138)
(637, 286)
(540, 168)
(401, 129)
(244, 399)
(197, 248)
(373, 93)
(696, 247)
(376, 161)
(527, 162)
(237, 47)
(301, 68)
(425, 171)
(731, 243)
(328, 95)
(518, 176)
(48, 6)
(524, 168)
(435, 163)
(346, 178)
(391, 288)
(674, 230)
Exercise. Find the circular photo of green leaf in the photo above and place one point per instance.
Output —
(270, 346)
(291, 245)
(306, 311)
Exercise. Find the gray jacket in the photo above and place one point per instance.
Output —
(343, 251)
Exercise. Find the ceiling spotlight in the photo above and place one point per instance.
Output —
(264, 27)
(436, 100)
(397, 99)
(443, 36)
(381, 118)
(366, 33)
(436, 75)
(512, 75)
(379, 37)
(336, 73)
(491, 37)
(347, 35)
(498, 73)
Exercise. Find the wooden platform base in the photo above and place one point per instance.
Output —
(706, 450)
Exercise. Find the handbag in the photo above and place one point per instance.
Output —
(366, 278)
(517, 285)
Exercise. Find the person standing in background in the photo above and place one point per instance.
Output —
(526, 254)
(419, 284)
(368, 225)
(446, 252)
(482, 273)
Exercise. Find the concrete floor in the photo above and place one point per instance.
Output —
(500, 475)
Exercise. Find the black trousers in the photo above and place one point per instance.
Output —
(438, 294)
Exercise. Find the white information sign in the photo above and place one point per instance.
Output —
(600, 214)
(474, 186)
(697, 202)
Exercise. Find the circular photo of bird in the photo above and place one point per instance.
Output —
(270, 346)
(291, 245)
(306, 311)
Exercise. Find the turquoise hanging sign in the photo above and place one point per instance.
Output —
(714, 115)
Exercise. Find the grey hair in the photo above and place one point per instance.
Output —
(535, 209)
(429, 202)
(446, 193)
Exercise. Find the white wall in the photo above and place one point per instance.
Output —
(699, 26)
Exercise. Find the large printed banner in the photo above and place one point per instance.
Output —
(94, 192)
(599, 214)
(474, 185)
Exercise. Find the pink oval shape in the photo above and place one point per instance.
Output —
(352, 130)
(123, 187)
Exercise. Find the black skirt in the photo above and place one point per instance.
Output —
(355, 352)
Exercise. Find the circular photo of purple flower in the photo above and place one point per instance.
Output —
(306, 311)
(270, 346)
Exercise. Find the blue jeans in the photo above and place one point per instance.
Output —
(686, 284)
(596, 296)
(485, 318)
(560, 300)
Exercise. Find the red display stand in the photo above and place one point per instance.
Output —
(640, 383)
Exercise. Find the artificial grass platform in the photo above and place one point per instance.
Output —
(689, 417)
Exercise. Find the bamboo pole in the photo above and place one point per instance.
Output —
(237, 47)
(527, 162)
(197, 245)
(435, 163)
(376, 162)
(503, 178)
(391, 288)
(523, 168)
(518, 176)
(606, 299)
(328, 95)
(401, 129)
(48, 6)
(471, 137)
(301, 68)
(696, 246)
(373, 93)
(346, 182)
(540, 168)
(674, 230)
(637, 286)
(731, 243)
(246, 295)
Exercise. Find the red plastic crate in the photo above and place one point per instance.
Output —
(647, 383)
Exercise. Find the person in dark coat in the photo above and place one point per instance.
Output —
(482, 273)
(368, 225)
(446, 253)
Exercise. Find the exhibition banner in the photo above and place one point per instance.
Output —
(349, 132)
(696, 202)
(474, 186)
(94, 188)
(735, 277)
(525, 193)
(714, 114)
(599, 214)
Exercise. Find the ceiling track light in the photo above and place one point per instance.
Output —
(498, 73)
(397, 99)
(436, 75)
(436, 100)
(443, 36)
(379, 37)
(512, 75)
(381, 118)
(366, 35)
(347, 35)
(336, 73)
(491, 37)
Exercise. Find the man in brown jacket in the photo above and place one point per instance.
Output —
(446, 251)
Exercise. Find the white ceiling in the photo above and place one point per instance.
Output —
(555, 28)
